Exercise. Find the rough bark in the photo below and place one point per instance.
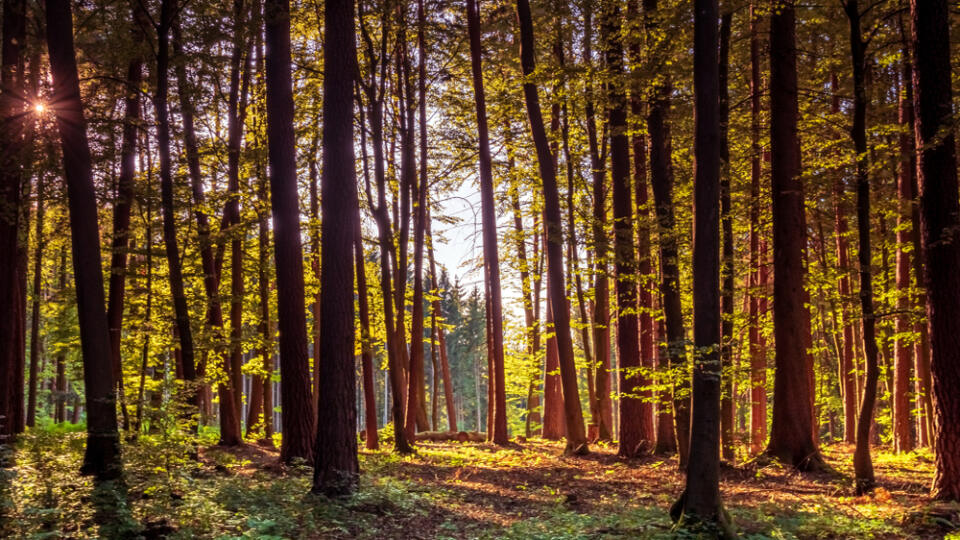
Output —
(791, 433)
(940, 224)
(298, 419)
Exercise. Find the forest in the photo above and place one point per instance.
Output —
(546, 269)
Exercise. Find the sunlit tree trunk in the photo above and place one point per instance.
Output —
(791, 434)
(576, 434)
(758, 358)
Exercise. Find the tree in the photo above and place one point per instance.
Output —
(491, 259)
(791, 432)
(576, 435)
(940, 224)
(298, 416)
(335, 462)
(699, 504)
(862, 463)
(102, 455)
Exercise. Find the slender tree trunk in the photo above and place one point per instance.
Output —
(366, 348)
(791, 434)
(102, 455)
(940, 223)
(727, 410)
(862, 463)
(758, 359)
(491, 256)
(121, 215)
(661, 178)
(437, 312)
(35, 307)
(700, 501)
(168, 9)
(554, 423)
(576, 435)
(60, 385)
(299, 422)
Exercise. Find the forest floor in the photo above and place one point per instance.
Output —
(447, 490)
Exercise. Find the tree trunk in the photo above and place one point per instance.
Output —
(35, 308)
(491, 256)
(758, 359)
(700, 501)
(437, 312)
(299, 421)
(726, 348)
(940, 223)
(791, 434)
(554, 424)
(862, 463)
(12, 128)
(366, 349)
(576, 434)
(102, 455)
(661, 178)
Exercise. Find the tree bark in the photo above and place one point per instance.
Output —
(102, 455)
(299, 420)
(576, 434)
(758, 359)
(366, 349)
(791, 434)
(940, 224)
(727, 410)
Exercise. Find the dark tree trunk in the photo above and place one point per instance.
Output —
(700, 501)
(60, 384)
(12, 127)
(645, 421)
(791, 434)
(168, 9)
(102, 455)
(576, 434)
(661, 179)
(554, 424)
(491, 256)
(299, 420)
(632, 442)
(336, 466)
(940, 223)
(121, 215)
(726, 271)
(862, 463)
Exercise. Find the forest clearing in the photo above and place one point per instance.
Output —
(469, 490)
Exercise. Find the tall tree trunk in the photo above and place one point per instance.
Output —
(661, 178)
(168, 9)
(940, 223)
(726, 348)
(366, 348)
(336, 466)
(903, 440)
(644, 264)
(554, 424)
(576, 434)
(700, 501)
(862, 463)
(60, 384)
(758, 358)
(491, 256)
(12, 130)
(628, 338)
(121, 214)
(35, 307)
(531, 336)
(791, 433)
(299, 420)
(102, 455)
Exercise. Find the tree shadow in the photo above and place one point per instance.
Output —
(111, 510)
